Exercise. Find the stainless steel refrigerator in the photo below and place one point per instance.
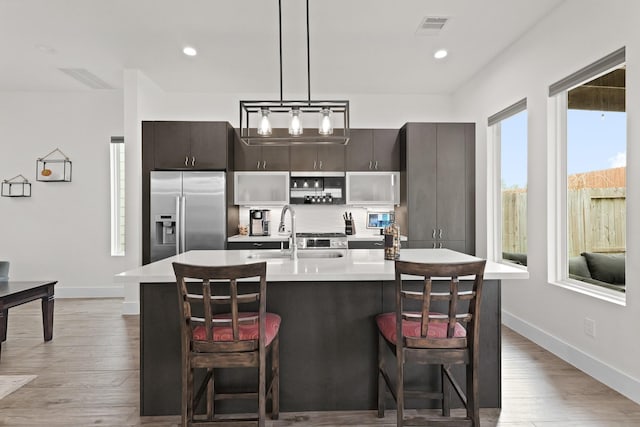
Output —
(188, 211)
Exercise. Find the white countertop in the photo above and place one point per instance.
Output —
(356, 265)
(361, 237)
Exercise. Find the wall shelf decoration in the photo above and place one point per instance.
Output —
(54, 167)
(18, 186)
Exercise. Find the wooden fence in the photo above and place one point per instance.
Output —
(596, 220)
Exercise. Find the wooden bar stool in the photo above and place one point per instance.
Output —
(418, 334)
(215, 333)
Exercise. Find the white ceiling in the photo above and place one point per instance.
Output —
(357, 46)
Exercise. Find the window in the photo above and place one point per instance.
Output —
(117, 196)
(509, 135)
(591, 126)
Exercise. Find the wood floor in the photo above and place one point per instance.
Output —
(88, 375)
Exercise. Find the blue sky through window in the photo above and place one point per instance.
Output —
(596, 140)
(513, 148)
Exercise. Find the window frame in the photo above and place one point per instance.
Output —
(117, 194)
(495, 179)
(557, 221)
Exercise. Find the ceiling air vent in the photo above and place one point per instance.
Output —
(432, 25)
(86, 78)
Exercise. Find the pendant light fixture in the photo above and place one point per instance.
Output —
(257, 118)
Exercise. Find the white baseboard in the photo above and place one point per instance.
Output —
(606, 374)
(90, 292)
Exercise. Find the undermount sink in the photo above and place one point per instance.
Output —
(301, 254)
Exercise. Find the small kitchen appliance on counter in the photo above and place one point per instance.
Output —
(259, 222)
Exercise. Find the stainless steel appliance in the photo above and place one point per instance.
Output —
(326, 188)
(188, 211)
(259, 221)
(322, 241)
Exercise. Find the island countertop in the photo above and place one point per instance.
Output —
(356, 265)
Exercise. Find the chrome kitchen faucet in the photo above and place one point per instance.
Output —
(293, 244)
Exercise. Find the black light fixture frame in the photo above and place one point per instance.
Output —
(281, 136)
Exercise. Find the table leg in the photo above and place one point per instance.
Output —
(4, 315)
(47, 316)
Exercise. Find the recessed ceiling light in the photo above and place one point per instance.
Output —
(440, 54)
(189, 51)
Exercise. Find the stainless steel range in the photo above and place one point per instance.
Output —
(321, 241)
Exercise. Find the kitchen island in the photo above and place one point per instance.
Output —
(328, 338)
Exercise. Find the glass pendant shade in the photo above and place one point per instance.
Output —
(326, 126)
(264, 126)
(295, 126)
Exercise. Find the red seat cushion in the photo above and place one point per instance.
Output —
(411, 328)
(247, 331)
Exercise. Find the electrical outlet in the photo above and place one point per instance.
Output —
(590, 327)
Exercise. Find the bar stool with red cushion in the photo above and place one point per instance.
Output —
(216, 333)
(416, 333)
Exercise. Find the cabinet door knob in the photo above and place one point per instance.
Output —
(186, 160)
(193, 161)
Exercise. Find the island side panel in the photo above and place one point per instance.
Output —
(328, 344)
(160, 353)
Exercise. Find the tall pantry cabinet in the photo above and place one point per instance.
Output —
(437, 182)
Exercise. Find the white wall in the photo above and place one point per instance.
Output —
(62, 232)
(564, 42)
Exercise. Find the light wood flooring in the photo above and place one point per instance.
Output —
(88, 375)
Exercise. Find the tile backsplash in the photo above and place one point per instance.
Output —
(318, 218)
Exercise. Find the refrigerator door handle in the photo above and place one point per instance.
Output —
(183, 224)
(178, 225)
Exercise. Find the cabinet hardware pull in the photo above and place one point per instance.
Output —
(257, 245)
(433, 235)
(314, 164)
(258, 165)
(186, 160)
(434, 245)
(264, 164)
(320, 164)
(440, 234)
(193, 161)
(377, 244)
(440, 245)
(370, 164)
(376, 165)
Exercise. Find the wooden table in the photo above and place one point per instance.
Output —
(13, 293)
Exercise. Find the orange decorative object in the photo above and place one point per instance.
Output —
(45, 172)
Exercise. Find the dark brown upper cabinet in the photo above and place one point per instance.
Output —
(437, 185)
(321, 158)
(191, 145)
(373, 150)
(260, 158)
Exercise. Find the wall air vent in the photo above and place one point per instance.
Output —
(86, 78)
(431, 25)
